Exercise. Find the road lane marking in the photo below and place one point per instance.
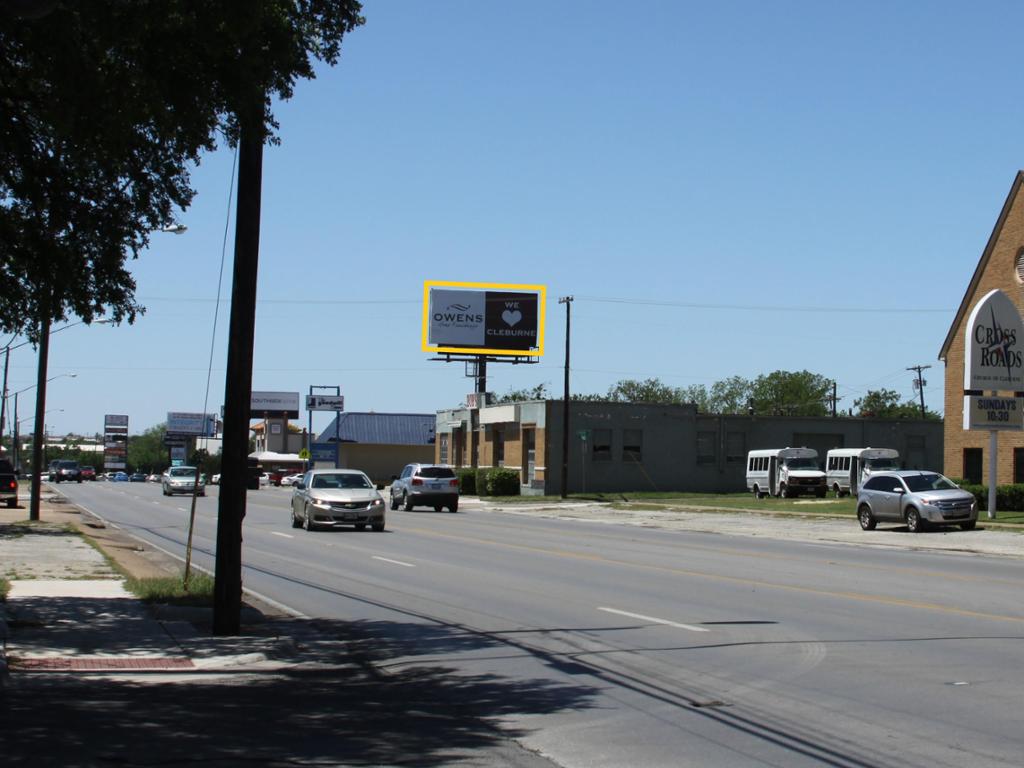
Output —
(394, 562)
(285, 535)
(654, 620)
(725, 579)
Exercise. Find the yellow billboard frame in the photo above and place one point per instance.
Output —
(541, 291)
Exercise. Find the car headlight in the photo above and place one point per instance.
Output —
(377, 503)
(321, 504)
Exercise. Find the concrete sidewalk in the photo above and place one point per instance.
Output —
(92, 676)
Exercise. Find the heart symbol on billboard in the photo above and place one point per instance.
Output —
(511, 317)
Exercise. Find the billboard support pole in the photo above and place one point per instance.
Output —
(567, 300)
(993, 468)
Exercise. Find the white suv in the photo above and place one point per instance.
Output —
(426, 485)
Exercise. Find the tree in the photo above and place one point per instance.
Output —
(538, 392)
(732, 395)
(885, 404)
(147, 451)
(105, 106)
(787, 393)
(647, 391)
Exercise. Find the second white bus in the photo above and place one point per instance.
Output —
(847, 468)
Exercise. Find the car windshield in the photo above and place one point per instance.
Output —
(928, 482)
(341, 480)
(67, 464)
(183, 472)
(436, 472)
(801, 464)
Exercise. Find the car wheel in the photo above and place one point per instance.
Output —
(406, 502)
(296, 523)
(394, 501)
(969, 525)
(454, 506)
(867, 522)
(12, 503)
(914, 522)
(305, 520)
(378, 527)
(438, 507)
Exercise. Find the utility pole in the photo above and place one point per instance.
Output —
(37, 439)
(227, 590)
(567, 300)
(920, 383)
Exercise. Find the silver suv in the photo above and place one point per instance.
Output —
(917, 498)
(426, 485)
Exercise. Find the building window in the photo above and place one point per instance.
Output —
(1018, 465)
(972, 465)
(1018, 267)
(602, 442)
(442, 448)
(706, 453)
(735, 447)
(499, 447)
(632, 445)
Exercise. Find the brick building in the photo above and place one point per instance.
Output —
(1001, 266)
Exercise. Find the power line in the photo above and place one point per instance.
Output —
(760, 307)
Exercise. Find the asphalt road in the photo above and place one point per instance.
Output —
(633, 646)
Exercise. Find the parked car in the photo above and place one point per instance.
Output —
(215, 480)
(154, 478)
(137, 477)
(8, 484)
(120, 477)
(290, 480)
(265, 479)
(181, 480)
(331, 498)
(426, 485)
(917, 498)
(65, 471)
(88, 473)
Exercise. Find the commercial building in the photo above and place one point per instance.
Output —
(1001, 266)
(380, 444)
(620, 447)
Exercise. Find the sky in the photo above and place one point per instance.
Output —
(727, 189)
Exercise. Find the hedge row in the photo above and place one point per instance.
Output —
(493, 481)
(1009, 498)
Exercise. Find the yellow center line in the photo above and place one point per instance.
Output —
(856, 596)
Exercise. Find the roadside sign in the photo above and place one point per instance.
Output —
(324, 451)
(991, 412)
(325, 402)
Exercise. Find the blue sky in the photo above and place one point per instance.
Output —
(757, 186)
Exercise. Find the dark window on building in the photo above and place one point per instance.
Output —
(499, 447)
(972, 465)
(1018, 465)
(735, 446)
(601, 439)
(706, 447)
(632, 445)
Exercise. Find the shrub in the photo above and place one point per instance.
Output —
(467, 480)
(1009, 498)
(497, 481)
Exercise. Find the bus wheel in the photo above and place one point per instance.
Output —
(784, 491)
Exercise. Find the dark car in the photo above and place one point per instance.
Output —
(137, 477)
(88, 473)
(917, 498)
(66, 470)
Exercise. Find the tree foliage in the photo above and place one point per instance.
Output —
(539, 392)
(885, 404)
(788, 393)
(104, 106)
(147, 452)
(646, 391)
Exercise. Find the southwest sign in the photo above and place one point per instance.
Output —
(484, 318)
(994, 346)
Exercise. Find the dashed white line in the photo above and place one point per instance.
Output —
(654, 620)
(394, 562)
(285, 535)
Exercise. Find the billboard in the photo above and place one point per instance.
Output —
(115, 441)
(198, 424)
(483, 318)
(274, 405)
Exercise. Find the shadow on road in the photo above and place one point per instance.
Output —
(340, 710)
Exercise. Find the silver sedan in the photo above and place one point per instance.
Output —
(332, 498)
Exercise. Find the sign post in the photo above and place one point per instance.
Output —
(994, 363)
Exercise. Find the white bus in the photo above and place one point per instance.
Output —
(785, 472)
(847, 468)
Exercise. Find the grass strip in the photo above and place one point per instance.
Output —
(170, 590)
